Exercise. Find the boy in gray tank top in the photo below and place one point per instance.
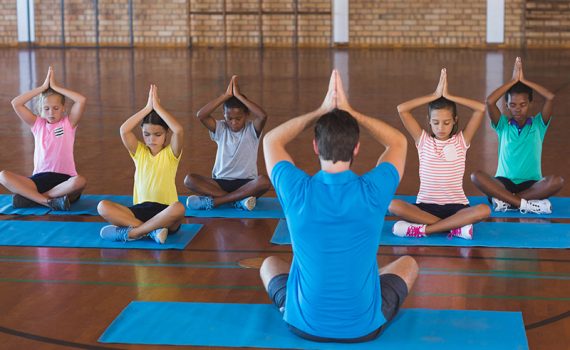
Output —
(234, 177)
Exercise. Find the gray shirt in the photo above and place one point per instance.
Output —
(236, 157)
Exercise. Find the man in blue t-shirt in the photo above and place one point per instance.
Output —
(333, 289)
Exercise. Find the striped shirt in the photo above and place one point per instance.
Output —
(442, 165)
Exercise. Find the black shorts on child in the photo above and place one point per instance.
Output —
(147, 210)
(442, 211)
(394, 292)
(46, 181)
(513, 187)
(231, 185)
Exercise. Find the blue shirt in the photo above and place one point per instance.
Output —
(335, 221)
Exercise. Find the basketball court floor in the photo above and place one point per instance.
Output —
(55, 298)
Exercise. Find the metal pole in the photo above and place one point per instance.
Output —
(296, 23)
(131, 31)
(260, 24)
(96, 4)
(62, 23)
(29, 23)
(224, 14)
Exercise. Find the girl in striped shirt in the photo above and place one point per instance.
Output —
(441, 204)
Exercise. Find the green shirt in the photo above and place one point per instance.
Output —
(520, 153)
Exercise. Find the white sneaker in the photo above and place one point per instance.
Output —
(499, 205)
(536, 206)
(246, 203)
(465, 232)
(406, 229)
(159, 235)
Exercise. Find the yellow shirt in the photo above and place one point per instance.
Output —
(155, 176)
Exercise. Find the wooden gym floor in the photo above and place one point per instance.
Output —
(54, 298)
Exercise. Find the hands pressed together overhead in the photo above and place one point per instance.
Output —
(233, 88)
(336, 96)
(153, 101)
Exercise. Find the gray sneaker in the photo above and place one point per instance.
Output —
(59, 203)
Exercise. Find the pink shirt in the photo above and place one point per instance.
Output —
(442, 165)
(53, 151)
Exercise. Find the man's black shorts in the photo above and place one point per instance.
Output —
(394, 292)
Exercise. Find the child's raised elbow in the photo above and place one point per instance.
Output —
(200, 115)
(400, 108)
(123, 130)
(489, 102)
(81, 99)
(178, 131)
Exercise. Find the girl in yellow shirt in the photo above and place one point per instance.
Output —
(156, 210)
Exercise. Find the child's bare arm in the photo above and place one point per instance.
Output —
(127, 135)
(548, 96)
(405, 109)
(79, 100)
(205, 113)
(257, 111)
(491, 102)
(19, 102)
(476, 118)
(177, 140)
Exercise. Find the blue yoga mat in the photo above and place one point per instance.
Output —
(560, 208)
(261, 325)
(82, 235)
(6, 207)
(87, 204)
(266, 208)
(485, 234)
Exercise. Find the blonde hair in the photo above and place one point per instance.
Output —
(45, 94)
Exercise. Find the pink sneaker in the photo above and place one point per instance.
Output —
(406, 229)
(465, 232)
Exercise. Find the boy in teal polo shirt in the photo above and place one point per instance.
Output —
(518, 182)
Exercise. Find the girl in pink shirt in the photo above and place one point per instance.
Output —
(54, 182)
(441, 203)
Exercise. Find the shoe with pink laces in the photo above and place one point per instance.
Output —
(406, 229)
(465, 232)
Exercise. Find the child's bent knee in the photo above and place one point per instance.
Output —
(178, 209)
(81, 181)
(484, 211)
(263, 182)
(5, 176)
(191, 181)
(394, 207)
(477, 175)
(558, 182)
(103, 207)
